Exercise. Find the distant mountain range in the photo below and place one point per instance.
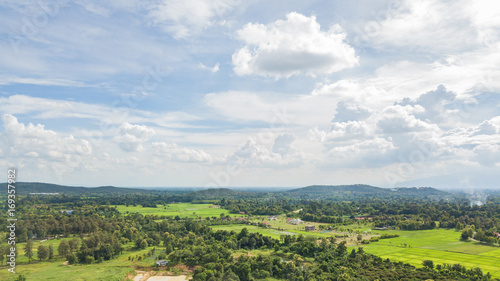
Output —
(25, 188)
(360, 191)
(337, 192)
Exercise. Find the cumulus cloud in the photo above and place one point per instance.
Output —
(183, 18)
(399, 119)
(20, 141)
(131, 137)
(351, 112)
(433, 104)
(172, 151)
(255, 154)
(293, 46)
(487, 127)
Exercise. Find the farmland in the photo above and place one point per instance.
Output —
(176, 209)
(441, 246)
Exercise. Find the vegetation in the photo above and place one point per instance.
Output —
(220, 234)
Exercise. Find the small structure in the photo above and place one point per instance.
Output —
(363, 217)
(242, 213)
(296, 221)
(272, 218)
(161, 262)
(309, 227)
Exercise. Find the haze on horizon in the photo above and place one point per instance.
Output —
(232, 93)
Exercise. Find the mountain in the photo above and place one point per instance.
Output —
(25, 188)
(362, 191)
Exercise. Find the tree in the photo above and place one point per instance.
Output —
(51, 251)
(143, 244)
(3, 252)
(428, 264)
(467, 233)
(73, 244)
(28, 249)
(72, 259)
(230, 276)
(43, 252)
(64, 248)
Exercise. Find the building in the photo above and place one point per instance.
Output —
(161, 262)
(309, 227)
(272, 218)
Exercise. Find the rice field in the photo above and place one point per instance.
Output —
(440, 246)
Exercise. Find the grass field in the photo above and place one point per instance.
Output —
(177, 209)
(439, 245)
(114, 270)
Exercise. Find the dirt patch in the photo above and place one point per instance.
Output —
(141, 276)
(169, 278)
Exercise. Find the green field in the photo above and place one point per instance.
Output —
(441, 246)
(177, 209)
(238, 227)
(114, 270)
(281, 227)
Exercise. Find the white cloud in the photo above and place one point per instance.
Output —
(438, 26)
(23, 143)
(398, 119)
(183, 18)
(213, 69)
(7, 80)
(487, 127)
(351, 112)
(292, 46)
(254, 154)
(368, 153)
(283, 144)
(172, 151)
(122, 109)
(131, 137)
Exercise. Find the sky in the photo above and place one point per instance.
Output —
(229, 93)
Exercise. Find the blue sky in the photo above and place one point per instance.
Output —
(251, 93)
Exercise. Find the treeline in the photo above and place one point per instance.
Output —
(210, 253)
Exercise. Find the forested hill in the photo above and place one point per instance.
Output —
(362, 191)
(25, 188)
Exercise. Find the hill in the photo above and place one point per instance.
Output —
(25, 188)
(362, 191)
